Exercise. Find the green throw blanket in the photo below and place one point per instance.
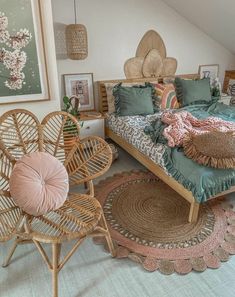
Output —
(203, 182)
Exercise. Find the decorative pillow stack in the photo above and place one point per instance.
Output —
(167, 95)
(142, 99)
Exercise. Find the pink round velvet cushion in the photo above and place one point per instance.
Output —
(39, 183)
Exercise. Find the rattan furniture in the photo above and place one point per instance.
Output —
(81, 215)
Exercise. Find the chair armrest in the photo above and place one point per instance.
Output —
(88, 159)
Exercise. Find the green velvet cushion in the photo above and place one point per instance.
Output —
(193, 91)
(135, 100)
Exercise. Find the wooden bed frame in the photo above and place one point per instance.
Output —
(148, 163)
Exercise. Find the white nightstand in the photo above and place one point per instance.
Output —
(92, 126)
(225, 98)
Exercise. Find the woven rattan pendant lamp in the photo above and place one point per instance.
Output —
(76, 39)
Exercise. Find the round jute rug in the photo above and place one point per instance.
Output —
(148, 222)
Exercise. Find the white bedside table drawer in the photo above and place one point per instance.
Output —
(92, 128)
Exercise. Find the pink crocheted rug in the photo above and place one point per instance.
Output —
(148, 223)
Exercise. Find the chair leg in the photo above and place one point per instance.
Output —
(108, 237)
(59, 252)
(11, 252)
(55, 264)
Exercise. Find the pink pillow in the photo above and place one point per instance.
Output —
(39, 183)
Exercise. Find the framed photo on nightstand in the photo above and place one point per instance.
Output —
(81, 86)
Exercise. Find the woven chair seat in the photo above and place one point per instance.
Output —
(78, 217)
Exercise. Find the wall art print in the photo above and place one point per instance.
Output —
(209, 71)
(81, 86)
(23, 75)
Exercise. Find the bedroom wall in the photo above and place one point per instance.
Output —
(115, 29)
(44, 107)
(216, 23)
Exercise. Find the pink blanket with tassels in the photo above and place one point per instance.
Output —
(181, 123)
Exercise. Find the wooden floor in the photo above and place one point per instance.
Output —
(93, 273)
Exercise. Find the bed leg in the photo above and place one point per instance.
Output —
(193, 213)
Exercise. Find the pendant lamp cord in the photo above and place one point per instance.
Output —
(75, 11)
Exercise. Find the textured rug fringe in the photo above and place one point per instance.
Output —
(211, 260)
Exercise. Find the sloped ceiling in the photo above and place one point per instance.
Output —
(215, 17)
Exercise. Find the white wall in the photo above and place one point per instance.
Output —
(40, 109)
(217, 18)
(115, 29)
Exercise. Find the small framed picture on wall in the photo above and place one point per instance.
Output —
(209, 71)
(81, 86)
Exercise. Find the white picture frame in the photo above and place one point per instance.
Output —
(209, 71)
(41, 53)
(81, 86)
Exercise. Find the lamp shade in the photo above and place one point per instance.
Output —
(76, 41)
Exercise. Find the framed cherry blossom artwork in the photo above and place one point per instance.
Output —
(23, 71)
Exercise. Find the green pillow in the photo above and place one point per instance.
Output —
(135, 100)
(193, 91)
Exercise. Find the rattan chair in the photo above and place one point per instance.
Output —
(81, 215)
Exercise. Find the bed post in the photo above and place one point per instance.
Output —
(193, 213)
